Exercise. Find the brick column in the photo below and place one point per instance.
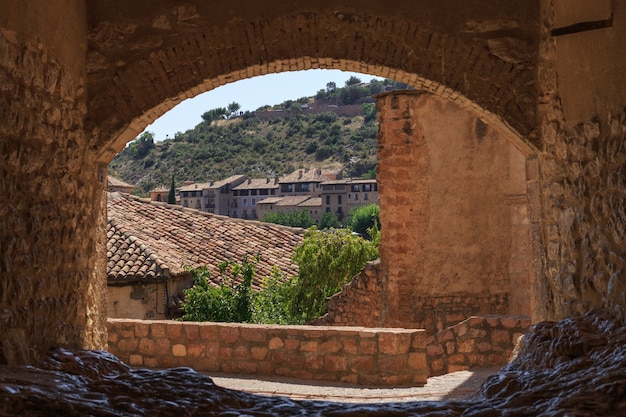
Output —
(403, 167)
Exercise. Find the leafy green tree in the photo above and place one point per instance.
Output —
(329, 220)
(331, 86)
(295, 218)
(141, 146)
(363, 218)
(227, 302)
(171, 197)
(214, 114)
(233, 108)
(353, 80)
(326, 261)
(270, 305)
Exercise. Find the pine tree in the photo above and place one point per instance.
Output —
(171, 197)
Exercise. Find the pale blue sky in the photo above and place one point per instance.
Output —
(251, 94)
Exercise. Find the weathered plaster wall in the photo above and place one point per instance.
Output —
(583, 166)
(448, 185)
(51, 286)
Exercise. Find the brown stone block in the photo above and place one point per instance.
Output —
(311, 346)
(225, 352)
(147, 346)
(393, 343)
(229, 334)
(417, 361)
(466, 346)
(206, 364)
(151, 362)
(276, 356)
(391, 364)
(302, 374)
(445, 336)
(241, 352)
(212, 349)
(501, 337)
(450, 347)
(362, 364)
(253, 334)
(141, 329)
(493, 321)
(434, 350)
(349, 379)
(331, 346)
(418, 339)
(162, 346)
(276, 343)
(208, 331)
(192, 331)
(135, 360)
(483, 347)
(510, 322)
(314, 362)
(259, 353)
(195, 350)
(179, 350)
(291, 344)
(157, 329)
(457, 359)
(127, 333)
(174, 330)
(496, 359)
(461, 329)
(367, 347)
(335, 363)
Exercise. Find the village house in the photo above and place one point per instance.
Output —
(114, 184)
(342, 196)
(249, 193)
(159, 194)
(149, 246)
(211, 197)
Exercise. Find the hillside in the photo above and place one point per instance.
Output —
(308, 132)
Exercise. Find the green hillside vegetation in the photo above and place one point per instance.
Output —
(227, 142)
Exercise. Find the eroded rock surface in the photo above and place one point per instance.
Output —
(576, 367)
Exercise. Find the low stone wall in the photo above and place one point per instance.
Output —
(475, 342)
(357, 355)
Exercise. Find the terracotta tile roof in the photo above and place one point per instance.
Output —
(149, 237)
(160, 189)
(257, 184)
(114, 182)
(270, 200)
(310, 175)
(311, 202)
(233, 178)
(292, 200)
(195, 186)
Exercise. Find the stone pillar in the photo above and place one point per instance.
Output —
(52, 253)
(403, 167)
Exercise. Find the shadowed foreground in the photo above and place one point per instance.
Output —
(573, 367)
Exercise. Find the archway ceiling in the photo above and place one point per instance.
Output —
(146, 56)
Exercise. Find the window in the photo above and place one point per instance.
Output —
(367, 187)
(327, 200)
(253, 202)
(356, 188)
(338, 199)
(273, 192)
(356, 197)
(234, 213)
(327, 209)
(185, 203)
(243, 192)
(235, 193)
(244, 202)
(245, 214)
(263, 192)
(253, 192)
(365, 197)
(158, 197)
(254, 216)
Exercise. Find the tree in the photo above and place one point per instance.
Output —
(329, 220)
(141, 146)
(171, 197)
(214, 114)
(326, 261)
(233, 108)
(296, 218)
(227, 302)
(353, 80)
(361, 219)
(331, 86)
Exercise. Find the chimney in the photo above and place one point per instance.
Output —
(267, 180)
(276, 179)
(299, 174)
(249, 180)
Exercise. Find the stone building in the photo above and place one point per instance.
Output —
(117, 185)
(81, 80)
(247, 195)
(149, 246)
(160, 193)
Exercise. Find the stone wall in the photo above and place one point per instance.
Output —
(374, 357)
(53, 213)
(476, 342)
(583, 166)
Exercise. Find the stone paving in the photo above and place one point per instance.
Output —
(452, 386)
